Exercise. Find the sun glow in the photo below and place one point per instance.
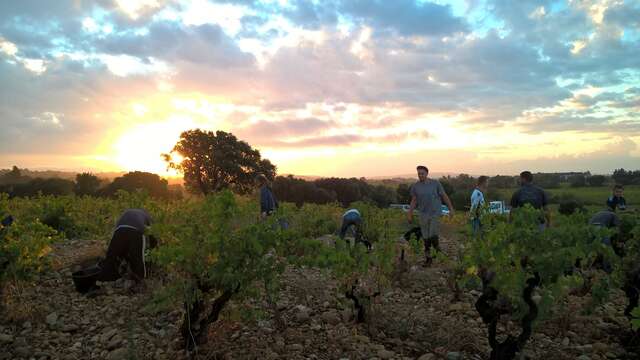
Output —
(141, 148)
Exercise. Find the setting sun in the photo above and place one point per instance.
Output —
(141, 147)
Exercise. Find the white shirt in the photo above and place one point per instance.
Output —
(477, 201)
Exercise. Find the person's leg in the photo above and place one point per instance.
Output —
(109, 267)
(344, 228)
(135, 255)
(425, 225)
(432, 239)
(475, 227)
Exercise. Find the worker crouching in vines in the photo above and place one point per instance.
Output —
(352, 219)
(607, 219)
(427, 196)
(128, 247)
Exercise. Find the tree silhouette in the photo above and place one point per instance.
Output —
(215, 161)
(132, 181)
(86, 184)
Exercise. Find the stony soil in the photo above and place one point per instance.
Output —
(414, 319)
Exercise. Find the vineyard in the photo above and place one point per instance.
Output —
(225, 285)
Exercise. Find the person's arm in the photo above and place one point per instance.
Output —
(412, 206)
(445, 198)
(447, 201)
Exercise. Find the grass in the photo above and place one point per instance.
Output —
(596, 196)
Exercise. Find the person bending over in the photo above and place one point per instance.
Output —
(352, 219)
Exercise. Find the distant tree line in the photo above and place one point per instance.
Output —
(626, 177)
(86, 184)
(342, 190)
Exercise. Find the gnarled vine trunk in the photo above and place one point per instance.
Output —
(197, 319)
(490, 311)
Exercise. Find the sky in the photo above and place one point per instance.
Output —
(326, 88)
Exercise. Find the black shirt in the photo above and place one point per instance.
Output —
(529, 194)
(137, 218)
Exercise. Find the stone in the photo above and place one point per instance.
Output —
(600, 347)
(454, 356)
(6, 338)
(386, 354)
(428, 356)
(114, 343)
(107, 334)
(565, 341)
(22, 351)
(296, 347)
(302, 316)
(584, 357)
(456, 307)
(362, 338)
(331, 317)
(118, 354)
(52, 319)
(69, 328)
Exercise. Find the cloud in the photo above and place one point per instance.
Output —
(203, 44)
(407, 17)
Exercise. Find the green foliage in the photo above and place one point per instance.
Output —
(23, 247)
(635, 321)
(516, 251)
(215, 244)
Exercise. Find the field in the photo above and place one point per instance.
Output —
(294, 289)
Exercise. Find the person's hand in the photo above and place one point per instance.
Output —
(451, 213)
(263, 215)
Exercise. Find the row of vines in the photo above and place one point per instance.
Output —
(214, 250)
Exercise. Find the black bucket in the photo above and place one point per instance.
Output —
(85, 280)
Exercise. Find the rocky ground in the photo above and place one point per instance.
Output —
(415, 319)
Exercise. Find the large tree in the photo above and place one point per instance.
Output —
(215, 161)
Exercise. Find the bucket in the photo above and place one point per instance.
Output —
(85, 280)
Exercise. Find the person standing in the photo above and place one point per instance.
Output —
(616, 200)
(531, 195)
(268, 202)
(427, 196)
(477, 204)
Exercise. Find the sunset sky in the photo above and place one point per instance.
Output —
(336, 87)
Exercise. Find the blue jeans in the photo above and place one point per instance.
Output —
(476, 227)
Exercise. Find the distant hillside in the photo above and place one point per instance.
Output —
(71, 175)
